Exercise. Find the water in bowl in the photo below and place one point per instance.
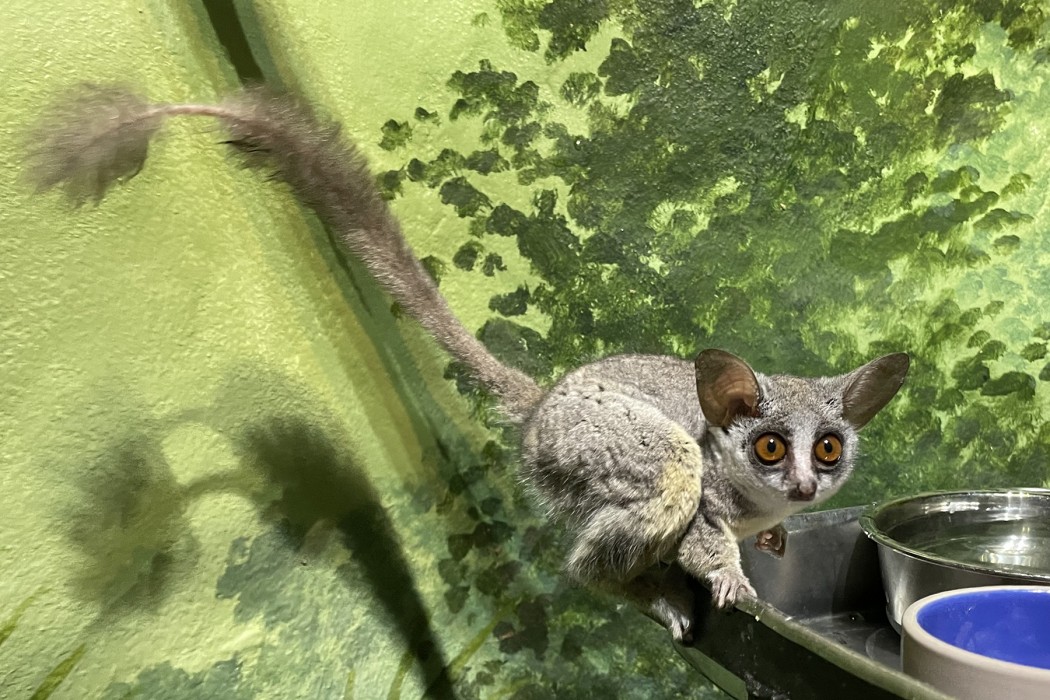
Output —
(1007, 545)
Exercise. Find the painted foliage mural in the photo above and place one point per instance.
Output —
(805, 184)
(808, 187)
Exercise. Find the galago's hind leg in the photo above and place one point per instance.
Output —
(664, 594)
(627, 479)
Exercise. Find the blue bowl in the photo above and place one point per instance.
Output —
(1010, 624)
(986, 642)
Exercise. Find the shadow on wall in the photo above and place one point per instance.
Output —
(131, 525)
(320, 483)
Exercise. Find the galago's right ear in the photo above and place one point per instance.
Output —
(727, 387)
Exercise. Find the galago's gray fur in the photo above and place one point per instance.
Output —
(647, 460)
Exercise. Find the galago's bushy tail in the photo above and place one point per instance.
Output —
(99, 135)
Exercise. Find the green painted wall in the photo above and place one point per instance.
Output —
(229, 471)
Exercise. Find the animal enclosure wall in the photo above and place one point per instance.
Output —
(230, 469)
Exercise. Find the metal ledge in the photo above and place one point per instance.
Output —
(819, 629)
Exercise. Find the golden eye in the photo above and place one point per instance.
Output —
(770, 448)
(828, 449)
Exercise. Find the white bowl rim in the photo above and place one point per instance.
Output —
(910, 626)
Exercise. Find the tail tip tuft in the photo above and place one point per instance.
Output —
(89, 140)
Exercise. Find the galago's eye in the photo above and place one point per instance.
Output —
(828, 450)
(770, 448)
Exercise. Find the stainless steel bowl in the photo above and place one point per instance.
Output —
(944, 540)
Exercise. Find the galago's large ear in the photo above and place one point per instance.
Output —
(727, 387)
(871, 387)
